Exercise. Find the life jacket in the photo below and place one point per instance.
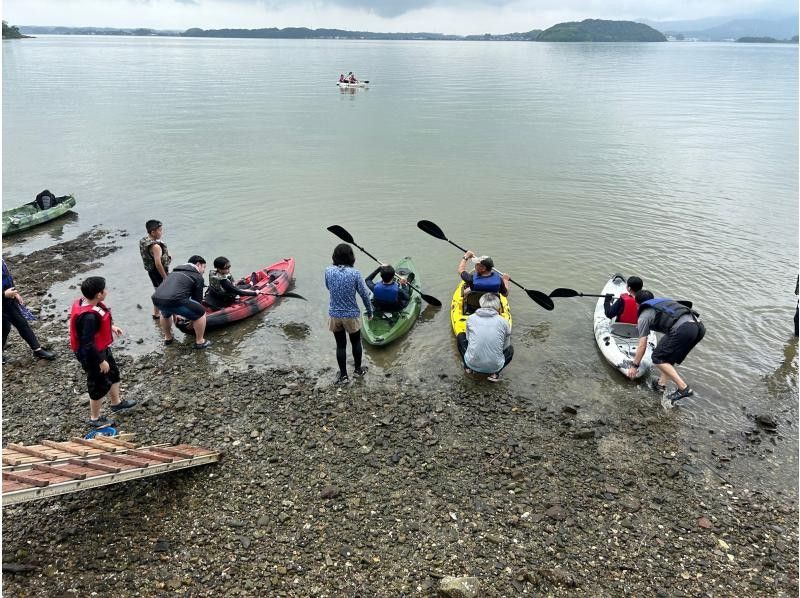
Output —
(630, 312)
(103, 337)
(386, 294)
(668, 312)
(147, 258)
(486, 284)
(8, 280)
(215, 282)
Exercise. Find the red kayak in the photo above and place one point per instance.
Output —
(273, 279)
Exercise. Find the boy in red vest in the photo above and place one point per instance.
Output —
(91, 333)
(625, 308)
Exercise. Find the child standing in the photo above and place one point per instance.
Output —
(91, 333)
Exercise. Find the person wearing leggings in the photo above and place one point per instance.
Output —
(343, 282)
(14, 316)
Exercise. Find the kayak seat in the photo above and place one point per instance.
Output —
(624, 330)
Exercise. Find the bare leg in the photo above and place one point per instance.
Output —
(156, 312)
(113, 394)
(166, 327)
(199, 329)
(668, 371)
(94, 408)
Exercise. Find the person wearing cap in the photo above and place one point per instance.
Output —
(155, 257)
(486, 346)
(180, 295)
(483, 279)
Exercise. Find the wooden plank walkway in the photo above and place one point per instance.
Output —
(55, 468)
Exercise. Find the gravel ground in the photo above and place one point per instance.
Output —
(379, 489)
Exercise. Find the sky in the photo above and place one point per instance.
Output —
(460, 17)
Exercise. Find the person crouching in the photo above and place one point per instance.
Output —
(486, 346)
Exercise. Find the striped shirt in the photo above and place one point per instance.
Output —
(344, 282)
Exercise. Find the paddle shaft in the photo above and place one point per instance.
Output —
(381, 263)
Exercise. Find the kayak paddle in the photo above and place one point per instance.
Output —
(432, 229)
(562, 292)
(348, 238)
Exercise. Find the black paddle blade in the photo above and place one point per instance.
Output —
(295, 295)
(341, 233)
(562, 292)
(430, 300)
(542, 299)
(431, 228)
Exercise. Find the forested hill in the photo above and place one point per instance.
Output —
(597, 30)
(305, 33)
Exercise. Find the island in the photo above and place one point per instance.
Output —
(766, 40)
(598, 30)
(12, 32)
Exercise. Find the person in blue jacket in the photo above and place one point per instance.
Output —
(13, 315)
(390, 294)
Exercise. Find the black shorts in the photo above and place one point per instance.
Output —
(675, 345)
(155, 277)
(97, 383)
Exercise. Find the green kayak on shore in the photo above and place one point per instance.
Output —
(29, 215)
(384, 327)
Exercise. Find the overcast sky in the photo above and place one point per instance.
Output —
(442, 16)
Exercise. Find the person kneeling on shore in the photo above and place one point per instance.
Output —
(91, 332)
(222, 291)
(486, 346)
(682, 330)
(180, 295)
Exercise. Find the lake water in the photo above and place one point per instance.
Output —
(565, 162)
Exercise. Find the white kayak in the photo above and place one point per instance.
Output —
(346, 85)
(618, 342)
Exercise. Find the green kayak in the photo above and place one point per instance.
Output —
(384, 327)
(29, 215)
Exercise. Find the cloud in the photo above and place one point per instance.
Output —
(443, 16)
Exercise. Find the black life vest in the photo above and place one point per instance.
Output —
(668, 311)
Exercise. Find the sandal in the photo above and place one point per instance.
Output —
(169, 341)
(494, 378)
(203, 345)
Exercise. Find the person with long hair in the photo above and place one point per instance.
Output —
(343, 282)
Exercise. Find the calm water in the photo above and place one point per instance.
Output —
(566, 162)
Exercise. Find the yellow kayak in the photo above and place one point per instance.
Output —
(459, 319)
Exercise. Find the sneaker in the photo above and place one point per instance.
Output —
(360, 371)
(124, 404)
(101, 422)
(203, 345)
(660, 388)
(467, 371)
(680, 394)
(169, 341)
(341, 380)
(494, 378)
(44, 354)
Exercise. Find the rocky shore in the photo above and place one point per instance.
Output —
(388, 487)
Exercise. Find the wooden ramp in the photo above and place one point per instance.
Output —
(53, 468)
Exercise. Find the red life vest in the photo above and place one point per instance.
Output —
(103, 337)
(630, 311)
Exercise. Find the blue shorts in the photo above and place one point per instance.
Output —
(189, 309)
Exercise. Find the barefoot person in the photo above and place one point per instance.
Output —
(13, 315)
(343, 281)
(682, 330)
(155, 257)
(486, 345)
(91, 332)
(180, 295)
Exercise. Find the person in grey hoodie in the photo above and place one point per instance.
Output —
(486, 346)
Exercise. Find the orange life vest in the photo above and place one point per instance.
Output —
(630, 311)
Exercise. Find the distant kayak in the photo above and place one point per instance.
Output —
(29, 215)
(359, 84)
(458, 317)
(385, 327)
(273, 279)
(618, 342)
